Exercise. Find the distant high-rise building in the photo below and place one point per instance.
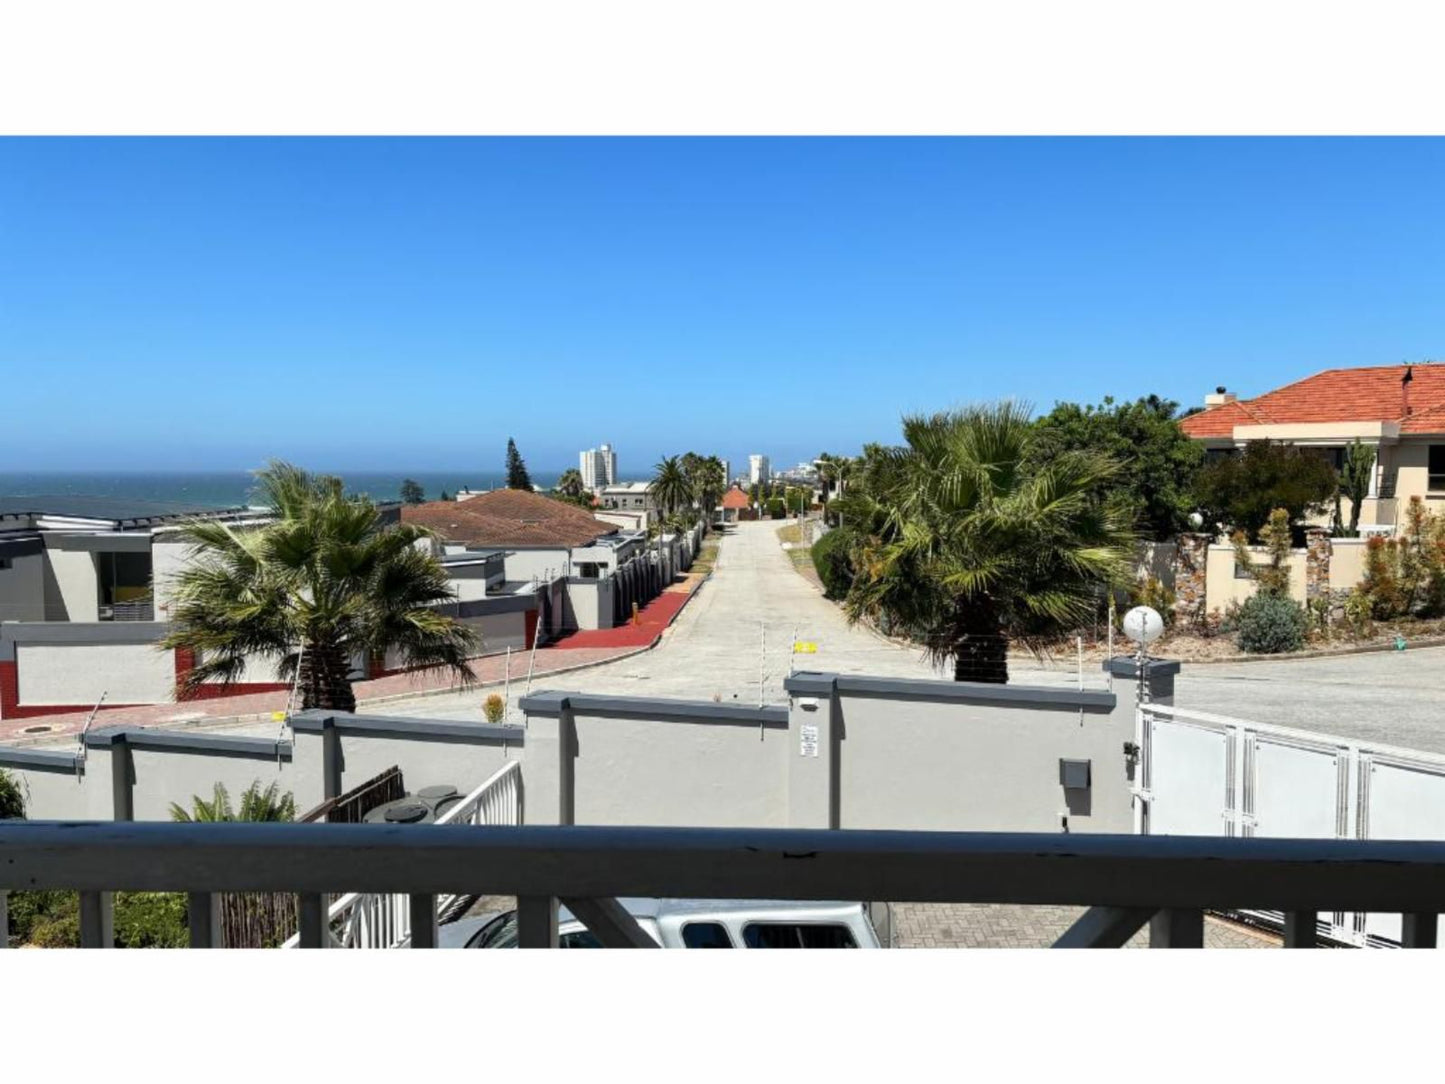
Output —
(727, 473)
(758, 472)
(598, 467)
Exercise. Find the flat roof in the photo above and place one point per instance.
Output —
(114, 509)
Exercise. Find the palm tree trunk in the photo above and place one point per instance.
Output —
(979, 647)
(324, 682)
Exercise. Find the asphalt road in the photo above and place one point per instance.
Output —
(732, 642)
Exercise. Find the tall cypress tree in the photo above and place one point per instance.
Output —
(517, 476)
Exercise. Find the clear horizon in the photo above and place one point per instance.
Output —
(216, 302)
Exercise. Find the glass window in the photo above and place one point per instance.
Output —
(705, 935)
(580, 939)
(796, 935)
(502, 933)
(1437, 468)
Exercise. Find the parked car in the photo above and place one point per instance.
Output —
(675, 923)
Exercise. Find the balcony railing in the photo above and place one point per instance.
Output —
(378, 920)
(1128, 882)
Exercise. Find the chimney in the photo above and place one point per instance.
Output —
(1405, 382)
(1219, 397)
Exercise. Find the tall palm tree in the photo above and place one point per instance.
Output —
(671, 488)
(324, 582)
(966, 546)
(570, 483)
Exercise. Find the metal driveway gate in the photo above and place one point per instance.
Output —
(1204, 774)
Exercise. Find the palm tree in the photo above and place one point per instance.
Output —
(323, 583)
(965, 546)
(571, 484)
(256, 805)
(671, 488)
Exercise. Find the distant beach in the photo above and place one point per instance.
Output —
(230, 489)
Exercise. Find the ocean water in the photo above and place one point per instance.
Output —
(229, 489)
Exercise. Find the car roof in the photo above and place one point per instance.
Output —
(678, 908)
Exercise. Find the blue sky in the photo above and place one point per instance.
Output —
(409, 304)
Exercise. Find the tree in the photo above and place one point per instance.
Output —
(571, 483)
(412, 492)
(1355, 476)
(12, 803)
(323, 583)
(670, 486)
(256, 805)
(1157, 461)
(1272, 578)
(444, 496)
(1240, 491)
(517, 476)
(968, 542)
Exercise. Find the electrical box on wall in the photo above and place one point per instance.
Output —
(1074, 774)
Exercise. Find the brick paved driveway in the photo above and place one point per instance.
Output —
(970, 925)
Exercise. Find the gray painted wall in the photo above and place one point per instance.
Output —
(73, 589)
(848, 752)
(22, 585)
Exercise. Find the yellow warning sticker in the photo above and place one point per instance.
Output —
(278, 716)
(804, 647)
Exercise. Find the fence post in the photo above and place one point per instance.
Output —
(330, 759)
(813, 727)
(550, 764)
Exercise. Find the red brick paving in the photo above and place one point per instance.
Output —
(652, 619)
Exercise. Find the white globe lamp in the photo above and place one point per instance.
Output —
(1143, 625)
(1196, 520)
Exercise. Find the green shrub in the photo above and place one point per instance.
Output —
(12, 803)
(832, 562)
(1152, 593)
(1359, 614)
(776, 508)
(494, 708)
(1269, 624)
(51, 919)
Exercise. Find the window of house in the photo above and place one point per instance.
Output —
(797, 935)
(1335, 457)
(1437, 468)
(705, 935)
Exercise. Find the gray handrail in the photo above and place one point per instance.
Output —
(721, 863)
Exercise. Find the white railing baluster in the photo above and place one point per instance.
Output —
(384, 921)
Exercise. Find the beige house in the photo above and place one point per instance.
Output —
(1399, 410)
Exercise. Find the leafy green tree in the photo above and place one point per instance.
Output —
(967, 541)
(671, 488)
(327, 577)
(1355, 476)
(412, 492)
(445, 496)
(1241, 491)
(517, 476)
(257, 805)
(1158, 463)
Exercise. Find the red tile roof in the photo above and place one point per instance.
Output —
(736, 498)
(1374, 394)
(508, 517)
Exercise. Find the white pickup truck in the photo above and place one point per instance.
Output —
(674, 923)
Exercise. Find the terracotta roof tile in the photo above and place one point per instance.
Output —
(1375, 394)
(736, 498)
(508, 517)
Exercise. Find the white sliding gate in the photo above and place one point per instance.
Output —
(1208, 775)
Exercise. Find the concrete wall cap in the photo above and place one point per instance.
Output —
(1125, 666)
(656, 708)
(39, 759)
(402, 727)
(147, 738)
(958, 692)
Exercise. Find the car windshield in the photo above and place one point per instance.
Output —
(502, 933)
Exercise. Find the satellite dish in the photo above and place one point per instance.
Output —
(1143, 625)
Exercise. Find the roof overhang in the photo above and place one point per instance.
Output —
(1342, 432)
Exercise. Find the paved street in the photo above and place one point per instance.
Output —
(716, 649)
